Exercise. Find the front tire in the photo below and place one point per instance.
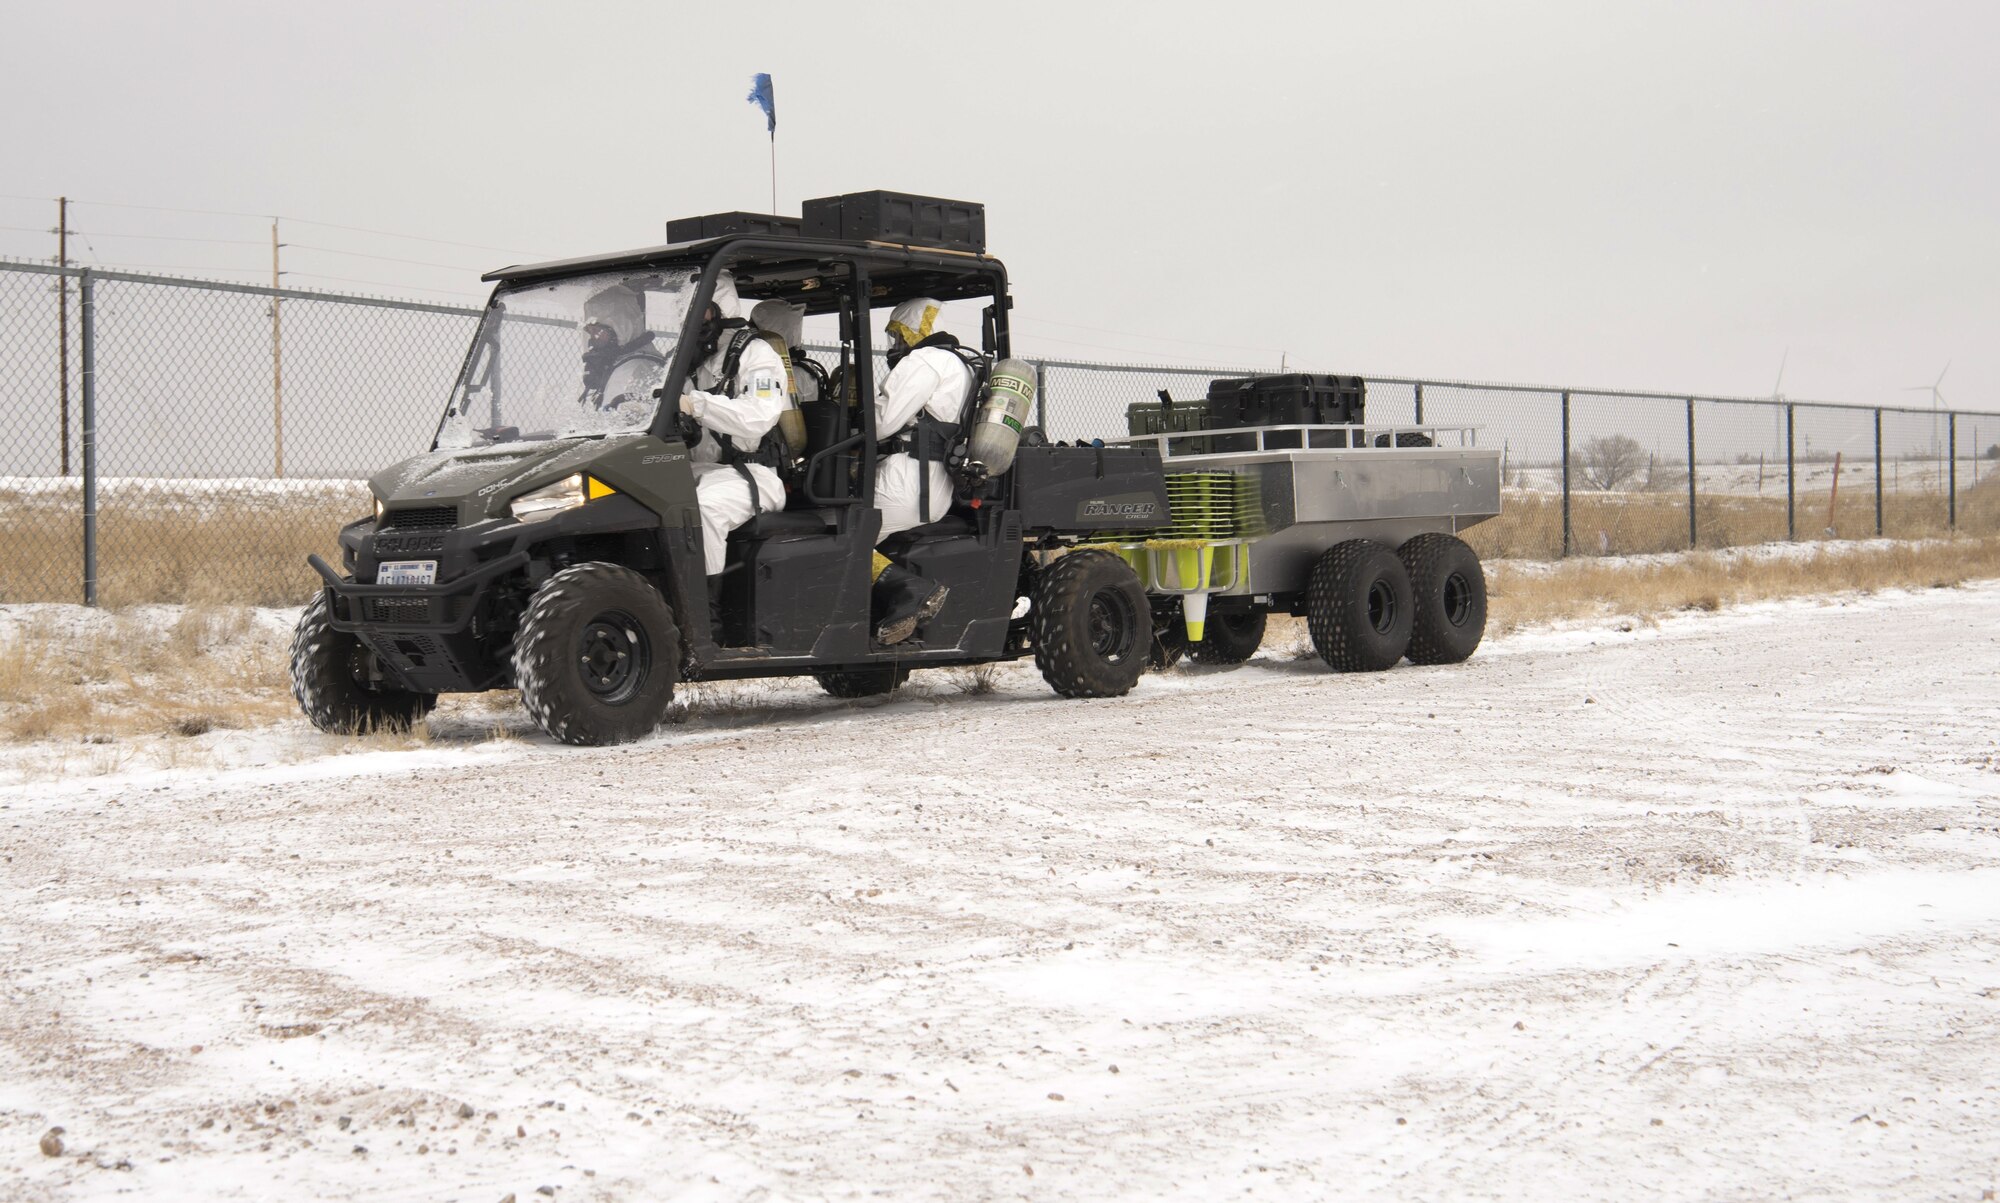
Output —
(1358, 607)
(1450, 593)
(1093, 626)
(597, 655)
(868, 681)
(331, 686)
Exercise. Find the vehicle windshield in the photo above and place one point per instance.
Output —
(560, 359)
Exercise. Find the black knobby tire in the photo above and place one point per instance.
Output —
(1229, 636)
(867, 681)
(597, 655)
(1358, 607)
(1093, 626)
(1450, 594)
(328, 681)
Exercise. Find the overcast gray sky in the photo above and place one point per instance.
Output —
(1635, 194)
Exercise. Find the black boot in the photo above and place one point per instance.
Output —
(903, 602)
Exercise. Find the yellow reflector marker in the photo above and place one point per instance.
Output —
(594, 488)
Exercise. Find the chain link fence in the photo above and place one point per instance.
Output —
(224, 431)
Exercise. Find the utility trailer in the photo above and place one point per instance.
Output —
(1300, 520)
(552, 542)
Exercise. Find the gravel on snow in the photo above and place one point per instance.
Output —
(1690, 910)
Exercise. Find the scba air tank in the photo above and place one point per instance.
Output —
(1003, 411)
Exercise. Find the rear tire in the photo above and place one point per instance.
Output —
(329, 682)
(1450, 595)
(1229, 636)
(868, 681)
(597, 655)
(1093, 626)
(1358, 607)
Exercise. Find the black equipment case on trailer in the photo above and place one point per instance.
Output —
(897, 217)
(1298, 399)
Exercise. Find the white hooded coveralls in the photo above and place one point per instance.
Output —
(744, 417)
(927, 380)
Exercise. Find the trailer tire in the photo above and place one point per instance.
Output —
(1229, 636)
(1449, 589)
(597, 655)
(867, 681)
(326, 679)
(1092, 624)
(1358, 607)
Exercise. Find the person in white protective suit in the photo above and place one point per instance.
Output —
(918, 411)
(736, 393)
(620, 362)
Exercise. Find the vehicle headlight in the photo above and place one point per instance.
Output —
(378, 511)
(565, 494)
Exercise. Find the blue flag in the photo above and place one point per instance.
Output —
(760, 95)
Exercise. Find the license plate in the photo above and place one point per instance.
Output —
(407, 572)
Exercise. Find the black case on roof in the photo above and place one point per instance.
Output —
(898, 217)
(715, 225)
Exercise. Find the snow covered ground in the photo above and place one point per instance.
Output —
(1703, 909)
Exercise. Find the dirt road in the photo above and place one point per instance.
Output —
(1705, 910)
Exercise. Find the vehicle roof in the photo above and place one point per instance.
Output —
(795, 268)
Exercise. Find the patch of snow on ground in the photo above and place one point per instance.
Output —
(1701, 909)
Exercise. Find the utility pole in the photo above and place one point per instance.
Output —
(62, 323)
(277, 368)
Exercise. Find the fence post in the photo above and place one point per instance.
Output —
(1042, 397)
(1693, 530)
(1951, 473)
(87, 304)
(1878, 474)
(1420, 403)
(1791, 482)
(1567, 542)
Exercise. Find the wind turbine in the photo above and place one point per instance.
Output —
(1937, 405)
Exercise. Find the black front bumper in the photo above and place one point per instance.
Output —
(433, 609)
(426, 635)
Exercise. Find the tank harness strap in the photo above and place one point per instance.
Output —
(733, 358)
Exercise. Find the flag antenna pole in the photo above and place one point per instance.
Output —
(774, 171)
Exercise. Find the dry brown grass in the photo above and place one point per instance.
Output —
(178, 546)
(184, 545)
(1710, 580)
(1530, 523)
(108, 676)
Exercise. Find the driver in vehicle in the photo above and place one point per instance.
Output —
(620, 362)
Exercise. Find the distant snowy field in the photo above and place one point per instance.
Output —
(1708, 908)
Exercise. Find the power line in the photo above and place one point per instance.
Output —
(505, 250)
(307, 246)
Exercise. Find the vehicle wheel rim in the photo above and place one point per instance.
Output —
(1381, 607)
(1457, 599)
(614, 657)
(1113, 623)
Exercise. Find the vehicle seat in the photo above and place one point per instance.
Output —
(951, 526)
(785, 525)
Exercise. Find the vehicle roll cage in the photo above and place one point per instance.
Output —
(827, 276)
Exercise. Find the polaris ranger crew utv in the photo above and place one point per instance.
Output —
(555, 545)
